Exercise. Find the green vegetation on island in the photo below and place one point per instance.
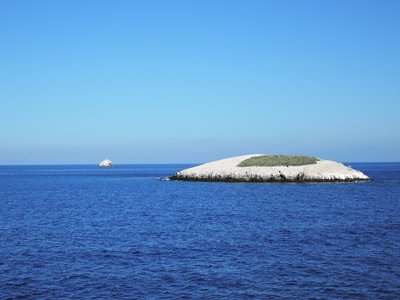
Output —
(278, 160)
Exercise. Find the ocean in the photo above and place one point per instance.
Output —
(82, 232)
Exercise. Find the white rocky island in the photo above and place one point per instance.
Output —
(271, 168)
(106, 163)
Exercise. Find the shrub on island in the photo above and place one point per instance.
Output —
(278, 160)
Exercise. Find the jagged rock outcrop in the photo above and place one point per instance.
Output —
(106, 163)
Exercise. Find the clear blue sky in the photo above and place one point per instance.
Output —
(192, 81)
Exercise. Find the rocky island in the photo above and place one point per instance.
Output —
(106, 163)
(271, 168)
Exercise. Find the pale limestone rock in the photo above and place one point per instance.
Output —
(228, 170)
(106, 163)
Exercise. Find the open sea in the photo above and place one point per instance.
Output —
(82, 232)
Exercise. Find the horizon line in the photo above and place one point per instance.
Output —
(175, 163)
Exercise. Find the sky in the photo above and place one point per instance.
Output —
(193, 81)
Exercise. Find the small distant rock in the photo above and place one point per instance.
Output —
(106, 163)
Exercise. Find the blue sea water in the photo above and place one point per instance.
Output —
(81, 232)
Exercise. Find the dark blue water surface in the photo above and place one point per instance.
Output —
(82, 232)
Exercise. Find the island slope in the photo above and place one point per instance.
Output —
(229, 170)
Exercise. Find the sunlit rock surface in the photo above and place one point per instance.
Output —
(228, 170)
(106, 163)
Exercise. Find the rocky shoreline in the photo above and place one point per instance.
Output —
(281, 179)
